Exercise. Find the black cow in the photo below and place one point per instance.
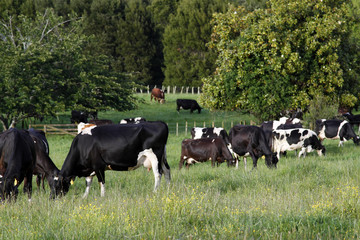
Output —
(100, 121)
(335, 129)
(251, 140)
(120, 147)
(44, 166)
(16, 163)
(78, 117)
(204, 149)
(132, 120)
(187, 104)
(293, 139)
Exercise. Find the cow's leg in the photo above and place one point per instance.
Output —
(254, 158)
(88, 181)
(302, 152)
(101, 178)
(341, 142)
(165, 167)
(150, 160)
(245, 162)
(182, 160)
(38, 181)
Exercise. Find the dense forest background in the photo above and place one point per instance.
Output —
(89, 54)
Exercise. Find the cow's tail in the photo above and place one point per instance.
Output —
(165, 168)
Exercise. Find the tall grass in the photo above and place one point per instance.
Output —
(308, 198)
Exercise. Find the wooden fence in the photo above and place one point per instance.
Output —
(70, 129)
(169, 89)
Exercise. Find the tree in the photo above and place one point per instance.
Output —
(46, 68)
(186, 57)
(276, 59)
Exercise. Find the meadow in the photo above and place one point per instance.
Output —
(308, 198)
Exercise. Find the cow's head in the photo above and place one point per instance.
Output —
(271, 160)
(61, 185)
(321, 151)
(356, 140)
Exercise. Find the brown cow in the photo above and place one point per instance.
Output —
(158, 95)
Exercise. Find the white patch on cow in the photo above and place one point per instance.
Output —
(88, 181)
(148, 159)
(283, 120)
(295, 121)
(85, 128)
(217, 130)
(213, 140)
(137, 119)
(276, 124)
(102, 187)
(123, 121)
(190, 160)
(198, 132)
(56, 178)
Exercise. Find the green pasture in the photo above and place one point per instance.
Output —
(308, 198)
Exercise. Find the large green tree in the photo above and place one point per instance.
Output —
(45, 67)
(279, 58)
(186, 57)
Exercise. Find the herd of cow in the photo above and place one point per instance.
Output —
(136, 142)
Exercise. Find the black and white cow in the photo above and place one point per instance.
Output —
(293, 139)
(78, 116)
(336, 129)
(120, 147)
(44, 166)
(353, 119)
(211, 132)
(17, 161)
(251, 140)
(132, 120)
(187, 104)
(204, 149)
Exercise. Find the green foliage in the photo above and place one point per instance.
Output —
(186, 57)
(320, 107)
(46, 68)
(277, 59)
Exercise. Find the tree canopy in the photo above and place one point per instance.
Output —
(275, 59)
(46, 67)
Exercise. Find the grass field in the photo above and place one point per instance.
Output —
(308, 198)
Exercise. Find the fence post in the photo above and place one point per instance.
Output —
(198, 90)
(186, 125)
(232, 123)
(177, 129)
(45, 129)
(213, 124)
(204, 124)
(192, 90)
(182, 88)
(174, 89)
(187, 90)
(168, 89)
(148, 89)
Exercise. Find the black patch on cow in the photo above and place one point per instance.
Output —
(282, 137)
(305, 132)
(293, 137)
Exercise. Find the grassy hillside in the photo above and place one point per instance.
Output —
(308, 198)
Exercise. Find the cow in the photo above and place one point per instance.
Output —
(336, 129)
(188, 104)
(251, 140)
(132, 120)
(293, 139)
(353, 119)
(16, 163)
(207, 132)
(282, 123)
(119, 147)
(204, 149)
(158, 95)
(44, 166)
(78, 116)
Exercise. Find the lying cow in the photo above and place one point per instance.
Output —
(293, 139)
(158, 95)
(251, 140)
(17, 162)
(132, 120)
(202, 150)
(336, 129)
(119, 147)
(187, 104)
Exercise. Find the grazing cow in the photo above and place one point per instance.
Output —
(17, 161)
(187, 104)
(336, 129)
(158, 95)
(293, 139)
(132, 120)
(251, 140)
(78, 116)
(100, 121)
(120, 147)
(44, 166)
(201, 150)
(353, 119)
